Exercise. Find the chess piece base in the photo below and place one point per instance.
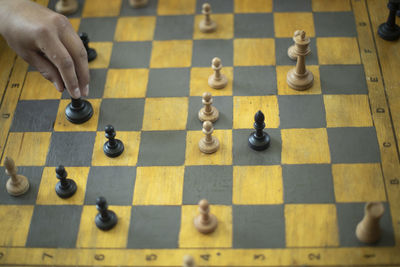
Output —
(217, 83)
(210, 147)
(389, 33)
(138, 3)
(106, 225)
(113, 152)
(206, 228)
(212, 116)
(19, 188)
(300, 82)
(66, 192)
(92, 54)
(207, 28)
(81, 115)
(259, 144)
(69, 9)
(292, 52)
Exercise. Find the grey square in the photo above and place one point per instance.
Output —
(168, 82)
(174, 27)
(353, 145)
(35, 116)
(254, 81)
(343, 79)
(78, 13)
(308, 183)
(154, 227)
(130, 55)
(332, 24)
(99, 29)
(205, 50)
(244, 155)
(301, 111)
(254, 25)
(54, 226)
(116, 184)
(217, 6)
(123, 114)
(258, 226)
(292, 5)
(350, 214)
(96, 84)
(281, 52)
(71, 149)
(213, 183)
(157, 147)
(222, 103)
(149, 9)
(34, 175)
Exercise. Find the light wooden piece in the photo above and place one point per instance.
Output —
(217, 80)
(368, 230)
(208, 144)
(188, 261)
(17, 184)
(67, 7)
(138, 3)
(299, 78)
(208, 112)
(207, 25)
(205, 222)
(293, 50)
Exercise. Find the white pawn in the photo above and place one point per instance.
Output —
(217, 80)
(208, 112)
(368, 230)
(67, 7)
(207, 25)
(205, 222)
(17, 184)
(208, 144)
(138, 3)
(188, 261)
(294, 49)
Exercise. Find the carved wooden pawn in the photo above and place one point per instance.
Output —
(138, 3)
(67, 7)
(293, 49)
(205, 222)
(207, 25)
(217, 80)
(299, 78)
(368, 230)
(188, 261)
(17, 184)
(208, 112)
(208, 144)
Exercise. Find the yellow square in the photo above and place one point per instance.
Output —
(171, 54)
(176, 7)
(131, 141)
(224, 27)
(126, 83)
(101, 8)
(287, 23)
(347, 179)
(103, 50)
(338, 50)
(253, 6)
(47, 194)
(90, 236)
(245, 107)
(28, 148)
(254, 52)
(15, 221)
(165, 113)
(189, 237)
(311, 225)
(64, 125)
(330, 5)
(37, 87)
(256, 185)
(347, 111)
(158, 185)
(135, 29)
(199, 81)
(223, 156)
(305, 146)
(283, 87)
(75, 22)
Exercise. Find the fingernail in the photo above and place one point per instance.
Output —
(57, 87)
(86, 90)
(77, 93)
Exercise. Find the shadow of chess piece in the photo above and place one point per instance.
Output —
(208, 112)
(293, 50)
(217, 80)
(389, 31)
(207, 25)
(259, 140)
(205, 222)
(91, 53)
(66, 7)
(368, 230)
(17, 184)
(65, 188)
(208, 144)
(138, 3)
(79, 111)
(106, 219)
(113, 147)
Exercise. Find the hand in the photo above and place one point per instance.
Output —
(47, 41)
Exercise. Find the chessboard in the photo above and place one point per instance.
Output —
(333, 147)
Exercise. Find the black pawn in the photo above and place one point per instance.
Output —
(65, 188)
(105, 219)
(91, 53)
(389, 30)
(79, 111)
(259, 140)
(113, 147)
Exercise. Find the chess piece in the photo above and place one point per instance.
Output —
(299, 78)
(208, 144)
(138, 3)
(368, 230)
(208, 112)
(188, 261)
(66, 7)
(105, 219)
(79, 111)
(17, 184)
(113, 147)
(259, 140)
(205, 222)
(293, 49)
(217, 80)
(65, 188)
(207, 25)
(91, 53)
(389, 31)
